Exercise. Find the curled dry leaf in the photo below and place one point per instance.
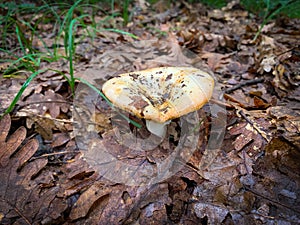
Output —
(60, 139)
(89, 198)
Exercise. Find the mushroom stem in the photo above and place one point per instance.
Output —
(159, 129)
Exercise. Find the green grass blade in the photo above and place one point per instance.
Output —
(66, 23)
(22, 89)
(269, 15)
(125, 12)
(19, 36)
(71, 49)
(122, 32)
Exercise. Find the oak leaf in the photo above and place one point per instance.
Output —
(22, 200)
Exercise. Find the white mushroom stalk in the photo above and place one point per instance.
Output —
(159, 129)
(160, 94)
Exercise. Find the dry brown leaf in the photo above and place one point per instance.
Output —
(60, 139)
(21, 202)
(240, 98)
(87, 199)
(216, 61)
(102, 122)
(150, 205)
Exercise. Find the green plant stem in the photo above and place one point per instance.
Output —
(19, 34)
(268, 16)
(22, 89)
(71, 50)
(125, 11)
(121, 32)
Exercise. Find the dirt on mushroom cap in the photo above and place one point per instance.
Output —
(160, 94)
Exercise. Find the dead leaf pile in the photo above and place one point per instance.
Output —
(252, 178)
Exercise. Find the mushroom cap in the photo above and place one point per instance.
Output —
(160, 94)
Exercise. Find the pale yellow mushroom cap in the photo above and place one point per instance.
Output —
(160, 94)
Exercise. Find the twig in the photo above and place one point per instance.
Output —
(52, 154)
(245, 83)
(271, 200)
(18, 212)
(222, 104)
(23, 216)
(262, 133)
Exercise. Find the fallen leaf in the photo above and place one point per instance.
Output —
(21, 201)
(97, 192)
(60, 139)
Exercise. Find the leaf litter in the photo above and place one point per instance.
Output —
(253, 180)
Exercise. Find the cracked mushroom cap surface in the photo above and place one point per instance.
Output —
(160, 94)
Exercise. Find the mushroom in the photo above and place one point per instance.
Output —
(160, 94)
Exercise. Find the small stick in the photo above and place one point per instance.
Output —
(52, 154)
(271, 200)
(220, 103)
(245, 83)
(262, 133)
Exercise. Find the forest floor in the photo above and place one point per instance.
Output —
(71, 159)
